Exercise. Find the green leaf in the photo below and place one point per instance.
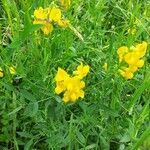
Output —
(28, 145)
(80, 137)
(138, 92)
(24, 35)
(25, 134)
(15, 110)
(32, 109)
(27, 95)
(125, 138)
(92, 146)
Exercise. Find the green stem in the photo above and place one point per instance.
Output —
(14, 122)
(71, 132)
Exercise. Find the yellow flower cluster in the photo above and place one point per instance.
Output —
(71, 86)
(47, 17)
(133, 58)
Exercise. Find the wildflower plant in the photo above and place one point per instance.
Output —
(47, 17)
(132, 59)
(52, 15)
(72, 86)
(99, 112)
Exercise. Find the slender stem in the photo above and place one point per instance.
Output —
(14, 121)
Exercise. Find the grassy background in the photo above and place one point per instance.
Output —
(114, 113)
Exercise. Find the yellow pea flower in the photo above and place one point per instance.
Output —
(126, 73)
(55, 14)
(73, 83)
(73, 95)
(140, 49)
(71, 86)
(60, 87)
(82, 71)
(63, 23)
(74, 90)
(133, 68)
(133, 58)
(140, 63)
(40, 16)
(61, 75)
(48, 28)
(60, 78)
(48, 16)
(121, 52)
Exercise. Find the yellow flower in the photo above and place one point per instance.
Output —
(55, 14)
(12, 70)
(1, 73)
(73, 83)
(74, 88)
(71, 86)
(133, 68)
(140, 63)
(133, 58)
(48, 28)
(61, 75)
(60, 87)
(121, 52)
(63, 23)
(60, 78)
(65, 3)
(73, 95)
(40, 16)
(48, 16)
(126, 73)
(140, 49)
(82, 71)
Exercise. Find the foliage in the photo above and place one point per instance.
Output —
(114, 113)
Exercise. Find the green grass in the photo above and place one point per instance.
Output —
(114, 115)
